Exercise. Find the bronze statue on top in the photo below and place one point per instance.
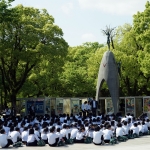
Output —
(109, 33)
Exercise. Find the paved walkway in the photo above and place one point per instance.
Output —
(142, 143)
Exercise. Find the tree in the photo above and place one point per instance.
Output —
(29, 38)
(141, 29)
(76, 80)
(132, 81)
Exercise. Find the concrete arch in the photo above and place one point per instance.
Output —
(108, 72)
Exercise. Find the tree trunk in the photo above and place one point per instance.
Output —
(13, 99)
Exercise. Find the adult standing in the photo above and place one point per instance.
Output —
(94, 105)
(13, 112)
(32, 110)
(7, 111)
(84, 108)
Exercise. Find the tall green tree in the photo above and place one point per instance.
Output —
(29, 38)
(76, 81)
(141, 27)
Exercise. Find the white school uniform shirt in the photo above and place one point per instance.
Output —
(83, 107)
(37, 133)
(7, 129)
(8, 111)
(120, 131)
(32, 138)
(88, 107)
(24, 136)
(89, 133)
(26, 125)
(135, 130)
(80, 135)
(14, 136)
(86, 129)
(94, 104)
(21, 130)
(141, 129)
(62, 119)
(126, 129)
(97, 137)
(58, 126)
(74, 133)
(52, 138)
(44, 136)
(124, 119)
(147, 123)
(145, 128)
(3, 140)
(59, 135)
(64, 132)
(107, 134)
(113, 128)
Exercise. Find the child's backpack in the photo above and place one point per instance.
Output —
(40, 143)
(122, 138)
(140, 134)
(135, 135)
(18, 144)
(61, 143)
(113, 141)
(88, 140)
(69, 141)
(130, 136)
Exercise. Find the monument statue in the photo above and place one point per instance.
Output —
(108, 32)
(108, 72)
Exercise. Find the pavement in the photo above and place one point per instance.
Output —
(142, 143)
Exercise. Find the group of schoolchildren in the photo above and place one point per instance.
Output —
(68, 129)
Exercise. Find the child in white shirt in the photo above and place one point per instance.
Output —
(135, 129)
(53, 138)
(107, 134)
(15, 135)
(24, 135)
(5, 141)
(74, 132)
(80, 135)
(119, 130)
(32, 138)
(97, 136)
(44, 135)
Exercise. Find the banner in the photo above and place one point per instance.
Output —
(130, 105)
(146, 104)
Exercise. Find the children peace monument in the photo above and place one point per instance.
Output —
(108, 71)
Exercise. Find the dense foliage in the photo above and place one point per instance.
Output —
(36, 61)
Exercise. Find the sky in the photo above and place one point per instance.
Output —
(83, 20)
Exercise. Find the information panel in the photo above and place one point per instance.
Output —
(130, 105)
(59, 106)
(38, 105)
(109, 106)
(146, 104)
(75, 105)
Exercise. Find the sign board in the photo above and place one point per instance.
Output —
(47, 105)
(146, 104)
(130, 105)
(59, 105)
(38, 105)
(109, 106)
(75, 105)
